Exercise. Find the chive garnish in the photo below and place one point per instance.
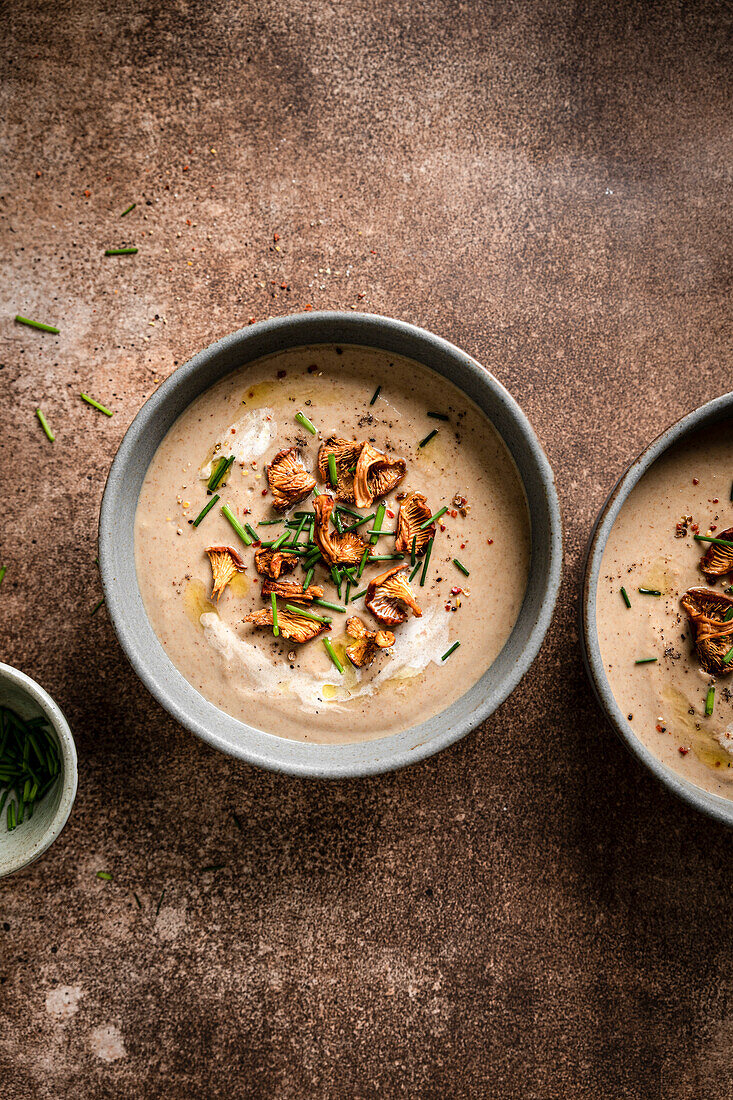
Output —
(130, 207)
(358, 594)
(347, 594)
(432, 519)
(649, 592)
(95, 404)
(346, 511)
(251, 532)
(206, 509)
(363, 561)
(415, 571)
(413, 549)
(448, 652)
(308, 577)
(718, 542)
(306, 614)
(378, 523)
(330, 606)
(96, 607)
(728, 657)
(234, 522)
(424, 573)
(438, 416)
(297, 534)
(269, 522)
(645, 661)
(280, 540)
(363, 519)
(105, 875)
(44, 425)
(332, 654)
(375, 395)
(3, 571)
(217, 473)
(459, 565)
(120, 251)
(726, 618)
(625, 597)
(710, 702)
(428, 437)
(305, 422)
(36, 324)
(385, 557)
(275, 627)
(333, 475)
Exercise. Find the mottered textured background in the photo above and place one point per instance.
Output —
(527, 915)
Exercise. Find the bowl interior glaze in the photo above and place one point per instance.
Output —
(116, 546)
(711, 413)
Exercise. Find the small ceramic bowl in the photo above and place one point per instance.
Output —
(31, 839)
(712, 413)
(117, 560)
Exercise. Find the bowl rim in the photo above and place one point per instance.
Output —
(713, 805)
(69, 766)
(345, 761)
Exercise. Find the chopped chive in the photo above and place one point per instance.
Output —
(384, 531)
(718, 542)
(378, 523)
(44, 425)
(308, 577)
(251, 532)
(363, 561)
(625, 597)
(130, 207)
(649, 592)
(275, 627)
(105, 875)
(222, 468)
(269, 522)
(160, 901)
(36, 324)
(448, 652)
(375, 395)
(415, 571)
(120, 251)
(330, 606)
(424, 573)
(385, 557)
(645, 661)
(432, 519)
(728, 657)
(306, 614)
(11, 816)
(358, 595)
(337, 523)
(728, 615)
(206, 509)
(349, 584)
(280, 540)
(438, 416)
(333, 475)
(332, 654)
(3, 571)
(96, 607)
(710, 702)
(413, 550)
(346, 511)
(459, 565)
(336, 578)
(95, 404)
(305, 422)
(233, 521)
(428, 437)
(363, 519)
(297, 534)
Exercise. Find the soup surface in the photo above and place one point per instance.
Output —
(652, 546)
(296, 690)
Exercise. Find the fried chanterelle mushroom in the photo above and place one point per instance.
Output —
(289, 480)
(271, 563)
(347, 548)
(707, 610)
(292, 590)
(346, 454)
(368, 642)
(718, 560)
(414, 511)
(376, 475)
(295, 628)
(389, 595)
(225, 564)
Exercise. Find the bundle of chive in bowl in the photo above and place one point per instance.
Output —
(29, 764)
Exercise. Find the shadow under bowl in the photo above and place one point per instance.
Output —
(117, 558)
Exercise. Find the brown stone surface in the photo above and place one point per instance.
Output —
(528, 915)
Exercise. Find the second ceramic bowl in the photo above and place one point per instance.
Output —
(117, 559)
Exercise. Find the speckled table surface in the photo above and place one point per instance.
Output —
(528, 915)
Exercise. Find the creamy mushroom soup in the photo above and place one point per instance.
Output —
(391, 554)
(665, 655)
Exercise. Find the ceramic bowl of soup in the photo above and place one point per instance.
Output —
(657, 608)
(330, 544)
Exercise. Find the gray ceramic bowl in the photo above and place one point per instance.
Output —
(31, 839)
(720, 409)
(125, 605)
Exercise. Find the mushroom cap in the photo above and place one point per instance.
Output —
(288, 479)
(296, 628)
(389, 596)
(346, 454)
(292, 590)
(368, 642)
(706, 609)
(347, 548)
(376, 475)
(414, 511)
(718, 560)
(271, 563)
(225, 563)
